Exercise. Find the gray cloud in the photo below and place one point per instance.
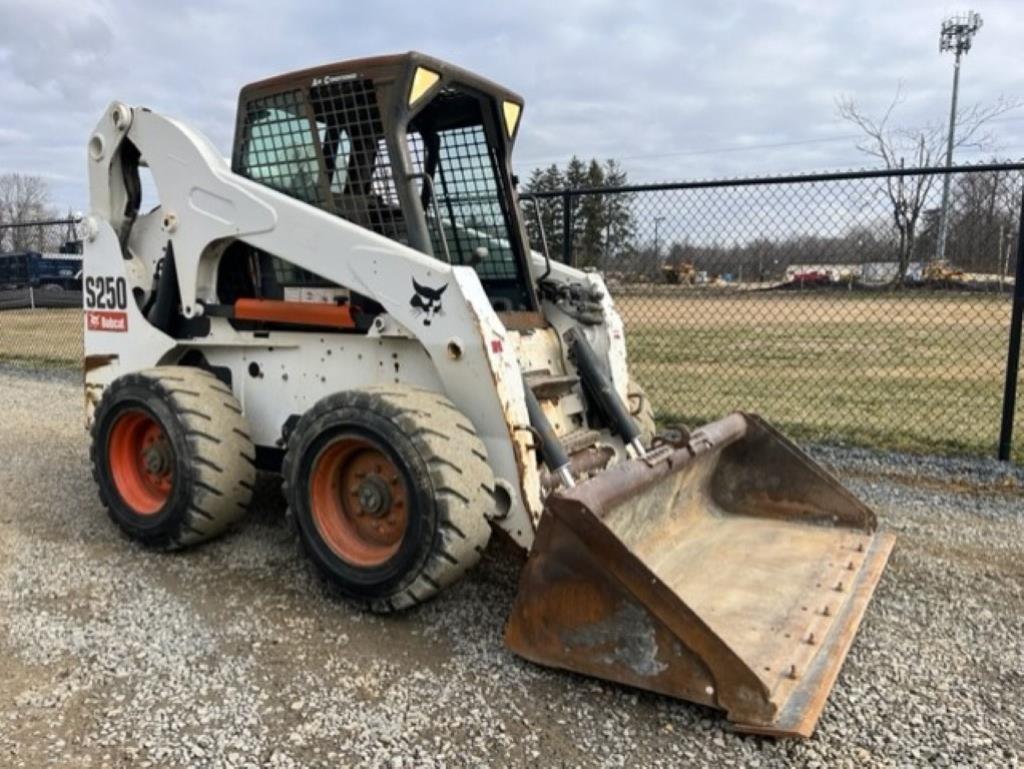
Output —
(51, 52)
(678, 89)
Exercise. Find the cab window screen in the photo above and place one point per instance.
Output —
(449, 142)
(470, 201)
(356, 156)
(280, 148)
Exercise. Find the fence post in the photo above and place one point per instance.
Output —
(31, 298)
(1013, 348)
(567, 228)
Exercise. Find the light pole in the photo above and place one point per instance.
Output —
(956, 34)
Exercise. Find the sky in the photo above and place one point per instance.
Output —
(676, 89)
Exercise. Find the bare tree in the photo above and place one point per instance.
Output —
(897, 146)
(23, 198)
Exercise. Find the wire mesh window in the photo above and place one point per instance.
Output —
(279, 148)
(339, 160)
(449, 142)
(331, 153)
(360, 176)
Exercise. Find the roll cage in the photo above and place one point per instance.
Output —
(408, 146)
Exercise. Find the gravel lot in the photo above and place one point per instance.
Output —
(230, 655)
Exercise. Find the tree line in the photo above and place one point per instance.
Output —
(605, 230)
(615, 232)
(982, 235)
(25, 198)
(600, 225)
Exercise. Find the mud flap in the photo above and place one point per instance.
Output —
(731, 571)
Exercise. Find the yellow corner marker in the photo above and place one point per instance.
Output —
(422, 82)
(511, 111)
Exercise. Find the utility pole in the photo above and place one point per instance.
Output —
(956, 35)
(608, 237)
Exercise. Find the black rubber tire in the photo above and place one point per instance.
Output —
(213, 455)
(642, 410)
(451, 491)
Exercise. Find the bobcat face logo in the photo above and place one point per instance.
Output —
(427, 301)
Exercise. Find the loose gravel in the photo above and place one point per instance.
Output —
(230, 655)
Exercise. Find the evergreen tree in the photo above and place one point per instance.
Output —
(590, 219)
(602, 228)
(620, 232)
(548, 179)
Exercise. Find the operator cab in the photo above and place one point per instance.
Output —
(410, 147)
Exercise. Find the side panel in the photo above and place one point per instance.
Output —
(117, 337)
(278, 381)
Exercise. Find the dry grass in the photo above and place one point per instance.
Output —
(927, 309)
(916, 372)
(921, 371)
(48, 337)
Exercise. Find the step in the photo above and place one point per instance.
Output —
(547, 386)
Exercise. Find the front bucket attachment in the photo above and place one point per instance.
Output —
(732, 571)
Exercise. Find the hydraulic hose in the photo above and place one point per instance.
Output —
(551, 449)
(603, 394)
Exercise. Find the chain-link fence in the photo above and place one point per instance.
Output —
(821, 302)
(41, 293)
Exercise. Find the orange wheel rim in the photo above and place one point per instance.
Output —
(359, 501)
(141, 461)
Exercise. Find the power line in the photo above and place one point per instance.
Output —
(714, 150)
(740, 147)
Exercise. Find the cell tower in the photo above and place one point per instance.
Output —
(956, 35)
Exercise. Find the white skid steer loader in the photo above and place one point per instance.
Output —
(353, 303)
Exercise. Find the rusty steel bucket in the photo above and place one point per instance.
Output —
(731, 571)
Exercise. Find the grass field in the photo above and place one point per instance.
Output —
(42, 337)
(917, 372)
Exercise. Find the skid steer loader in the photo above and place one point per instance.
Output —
(353, 303)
